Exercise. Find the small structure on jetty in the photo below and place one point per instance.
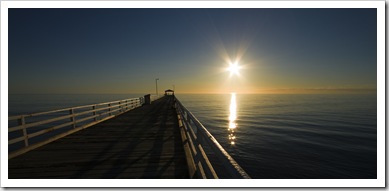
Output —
(169, 92)
(120, 139)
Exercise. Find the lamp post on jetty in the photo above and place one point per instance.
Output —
(156, 86)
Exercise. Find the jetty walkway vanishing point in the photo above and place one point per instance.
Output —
(132, 138)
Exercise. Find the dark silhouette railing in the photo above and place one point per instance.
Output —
(199, 144)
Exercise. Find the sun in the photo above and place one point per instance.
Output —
(234, 68)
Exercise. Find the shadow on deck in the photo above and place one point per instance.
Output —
(142, 143)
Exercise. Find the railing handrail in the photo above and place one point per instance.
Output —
(66, 109)
(229, 164)
(107, 110)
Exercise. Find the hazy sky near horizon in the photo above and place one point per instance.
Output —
(125, 50)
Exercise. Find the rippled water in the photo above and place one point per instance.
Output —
(294, 136)
(270, 136)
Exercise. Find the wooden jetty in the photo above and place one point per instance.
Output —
(134, 138)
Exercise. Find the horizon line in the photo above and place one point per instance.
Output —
(262, 91)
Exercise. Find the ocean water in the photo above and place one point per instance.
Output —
(270, 136)
(294, 136)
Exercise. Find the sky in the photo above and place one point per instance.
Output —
(282, 50)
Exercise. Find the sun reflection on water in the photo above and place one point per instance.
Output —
(232, 120)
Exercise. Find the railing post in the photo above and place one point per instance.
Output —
(120, 107)
(22, 122)
(141, 100)
(126, 104)
(109, 109)
(187, 116)
(147, 99)
(72, 117)
(94, 112)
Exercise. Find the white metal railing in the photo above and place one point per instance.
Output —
(27, 132)
(197, 141)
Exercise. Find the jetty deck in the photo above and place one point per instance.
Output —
(142, 143)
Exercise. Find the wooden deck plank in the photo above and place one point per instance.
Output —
(142, 143)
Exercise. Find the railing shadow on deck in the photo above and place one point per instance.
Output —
(27, 132)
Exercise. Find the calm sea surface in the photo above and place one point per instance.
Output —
(270, 136)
